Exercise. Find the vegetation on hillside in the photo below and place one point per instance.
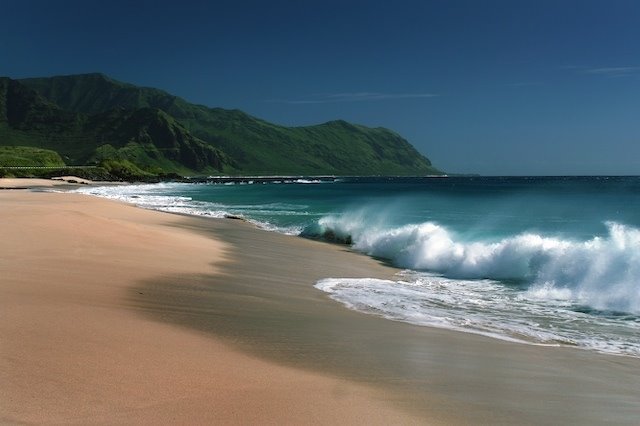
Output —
(25, 156)
(92, 119)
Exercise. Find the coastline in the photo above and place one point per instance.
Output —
(257, 302)
(434, 373)
(74, 349)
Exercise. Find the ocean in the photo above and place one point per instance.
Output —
(536, 260)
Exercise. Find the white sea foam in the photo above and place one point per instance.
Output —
(488, 308)
(307, 181)
(602, 272)
(527, 287)
(154, 197)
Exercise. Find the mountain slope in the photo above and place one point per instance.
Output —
(150, 138)
(147, 137)
(28, 119)
(94, 93)
(243, 144)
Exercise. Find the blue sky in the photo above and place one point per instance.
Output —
(491, 87)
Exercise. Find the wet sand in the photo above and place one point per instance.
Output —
(112, 313)
(263, 302)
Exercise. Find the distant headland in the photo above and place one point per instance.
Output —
(125, 131)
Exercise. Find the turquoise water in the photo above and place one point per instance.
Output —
(552, 261)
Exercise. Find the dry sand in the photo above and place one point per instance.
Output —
(19, 183)
(74, 350)
(60, 181)
(111, 313)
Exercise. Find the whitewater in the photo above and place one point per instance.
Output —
(548, 261)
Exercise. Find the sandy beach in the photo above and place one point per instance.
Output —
(114, 314)
(75, 349)
(61, 181)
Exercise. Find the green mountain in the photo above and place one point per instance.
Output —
(149, 138)
(92, 118)
(25, 156)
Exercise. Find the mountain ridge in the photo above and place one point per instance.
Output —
(154, 129)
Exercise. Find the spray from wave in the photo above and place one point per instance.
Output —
(602, 272)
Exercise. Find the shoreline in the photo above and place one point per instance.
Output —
(259, 301)
(430, 370)
(75, 349)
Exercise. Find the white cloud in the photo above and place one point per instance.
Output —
(613, 71)
(355, 97)
(525, 84)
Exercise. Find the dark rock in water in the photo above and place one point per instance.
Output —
(234, 217)
(332, 237)
(316, 232)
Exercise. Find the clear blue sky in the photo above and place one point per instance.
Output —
(492, 87)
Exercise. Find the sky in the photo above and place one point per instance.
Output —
(495, 87)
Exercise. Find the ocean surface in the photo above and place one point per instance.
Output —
(537, 260)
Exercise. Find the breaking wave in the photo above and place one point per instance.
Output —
(602, 272)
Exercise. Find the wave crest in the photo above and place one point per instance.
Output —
(603, 272)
